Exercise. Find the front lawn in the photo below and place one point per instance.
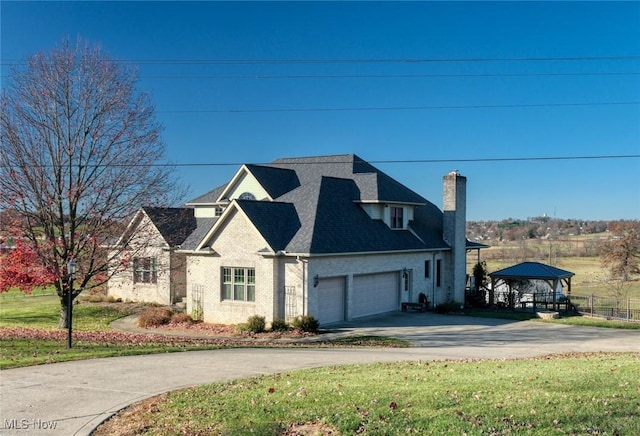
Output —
(572, 394)
(29, 334)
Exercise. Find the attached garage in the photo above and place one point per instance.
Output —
(331, 300)
(375, 293)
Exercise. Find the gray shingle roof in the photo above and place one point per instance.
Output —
(277, 222)
(276, 181)
(532, 270)
(209, 198)
(203, 225)
(374, 185)
(342, 226)
(174, 224)
(316, 208)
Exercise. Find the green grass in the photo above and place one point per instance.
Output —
(44, 312)
(578, 320)
(578, 394)
(16, 293)
(374, 341)
(588, 321)
(29, 333)
(19, 352)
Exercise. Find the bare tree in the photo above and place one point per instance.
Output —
(621, 253)
(80, 152)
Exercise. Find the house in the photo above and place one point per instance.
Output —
(146, 265)
(327, 236)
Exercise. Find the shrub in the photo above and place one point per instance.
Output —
(279, 325)
(181, 318)
(306, 323)
(448, 307)
(100, 298)
(154, 316)
(256, 324)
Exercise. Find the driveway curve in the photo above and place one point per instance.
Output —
(72, 398)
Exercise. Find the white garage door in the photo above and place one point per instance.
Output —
(330, 300)
(375, 293)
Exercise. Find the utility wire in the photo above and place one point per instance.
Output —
(357, 61)
(372, 76)
(302, 161)
(417, 161)
(382, 76)
(391, 108)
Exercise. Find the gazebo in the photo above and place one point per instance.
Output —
(531, 271)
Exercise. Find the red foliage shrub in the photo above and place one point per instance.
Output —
(21, 268)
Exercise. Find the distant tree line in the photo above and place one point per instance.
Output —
(533, 228)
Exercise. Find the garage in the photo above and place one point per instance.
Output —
(330, 300)
(375, 293)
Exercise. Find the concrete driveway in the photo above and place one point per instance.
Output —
(71, 398)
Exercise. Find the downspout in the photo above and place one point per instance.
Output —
(305, 274)
(433, 280)
(171, 284)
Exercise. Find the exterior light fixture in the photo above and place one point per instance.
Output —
(316, 280)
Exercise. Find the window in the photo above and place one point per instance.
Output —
(439, 272)
(397, 221)
(145, 270)
(239, 284)
(427, 269)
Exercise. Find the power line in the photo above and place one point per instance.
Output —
(382, 76)
(417, 161)
(373, 76)
(206, 61)
(391, 108)
(301, 161)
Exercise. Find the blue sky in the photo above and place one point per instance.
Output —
(419, 89)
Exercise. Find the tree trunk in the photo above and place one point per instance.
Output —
(64, 311)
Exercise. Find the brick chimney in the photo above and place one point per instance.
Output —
(454, 229)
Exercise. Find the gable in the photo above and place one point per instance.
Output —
(275, 181)
(235, 237)
(244, 184)
(276, 222)
(268, 222)
(142, 232)
(174, 224)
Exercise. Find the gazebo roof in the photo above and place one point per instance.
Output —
(531, 270)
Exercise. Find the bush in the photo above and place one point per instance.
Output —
(100, 298)
(306, 323)
(181, 318)
(448, 307)
(279, 325)
(256, 324)
(154, 316)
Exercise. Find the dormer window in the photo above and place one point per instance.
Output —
(397, 218)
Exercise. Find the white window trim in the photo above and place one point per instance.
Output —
(248, 283)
